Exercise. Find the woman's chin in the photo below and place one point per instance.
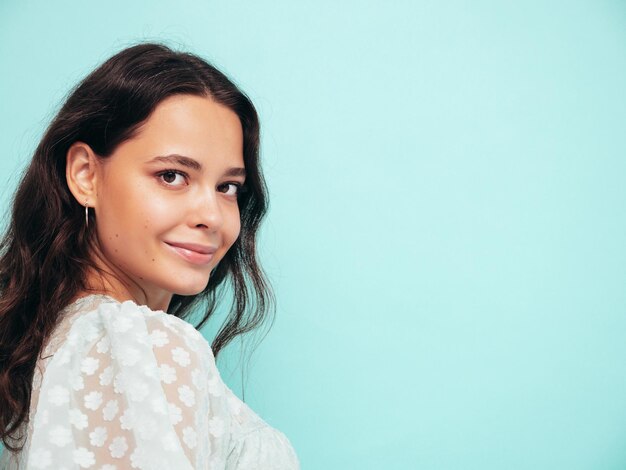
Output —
(190, 288)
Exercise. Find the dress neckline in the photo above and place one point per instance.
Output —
(85, 298)
(89, 298)
(104, 298)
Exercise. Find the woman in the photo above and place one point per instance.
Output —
(143, 197)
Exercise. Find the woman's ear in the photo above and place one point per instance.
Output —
(81, 174)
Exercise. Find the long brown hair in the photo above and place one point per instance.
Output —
(44, 253)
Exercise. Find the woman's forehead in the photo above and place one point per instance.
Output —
(195, 127)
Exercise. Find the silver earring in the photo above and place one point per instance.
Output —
(86, 214)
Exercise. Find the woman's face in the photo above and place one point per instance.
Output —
(164, 222)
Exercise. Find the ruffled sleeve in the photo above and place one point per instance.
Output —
(131, 388)
(255, 445)
(262, 449)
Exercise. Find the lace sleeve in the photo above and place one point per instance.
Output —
(131, 388)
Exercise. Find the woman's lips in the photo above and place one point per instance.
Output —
(185, 251)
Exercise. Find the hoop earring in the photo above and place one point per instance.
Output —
(86, 214)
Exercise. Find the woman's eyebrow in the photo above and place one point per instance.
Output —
(179, 159)
(193, 164)
(235, 171)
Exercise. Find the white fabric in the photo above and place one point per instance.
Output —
(120, 386)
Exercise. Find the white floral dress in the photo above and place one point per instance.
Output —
(120, 386)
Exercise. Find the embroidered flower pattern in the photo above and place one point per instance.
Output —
(129, 355)
(198, 380)
(127, 420)
(168, 374)
(93, 400)
(84, 458)
(118, 447)
(78, 419)
(103, 345)
(176, 414)
(159, 338)
(186, 395)
(89, 365)
(216, 426)
(181, 357)
(98, 436)
(110, 410)
(122, 324)
(190, 437)
(106, 376)
(77, 383)
(124, 375)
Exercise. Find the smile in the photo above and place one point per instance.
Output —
(192, 256)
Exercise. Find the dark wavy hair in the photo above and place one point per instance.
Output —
(45, 251)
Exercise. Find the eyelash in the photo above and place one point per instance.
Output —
(239, 186)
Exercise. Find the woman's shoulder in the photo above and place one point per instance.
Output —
(105, 322)
(105, 313)
(121, 372)
(101, 324)
(124, 348)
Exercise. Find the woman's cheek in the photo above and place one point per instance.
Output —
(236, 227)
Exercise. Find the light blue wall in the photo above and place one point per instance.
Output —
(447, 226)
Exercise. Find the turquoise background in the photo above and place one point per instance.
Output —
(447, 227)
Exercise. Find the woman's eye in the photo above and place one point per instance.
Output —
(169, 177)
(235, 188)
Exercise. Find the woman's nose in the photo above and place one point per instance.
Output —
(207, 211)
